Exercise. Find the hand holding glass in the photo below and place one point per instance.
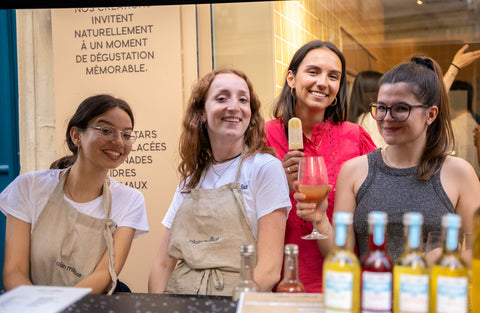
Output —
(313, 178)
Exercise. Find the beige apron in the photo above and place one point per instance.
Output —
(66, 245)
(205, 236)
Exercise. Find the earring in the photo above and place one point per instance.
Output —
(334, 103)
(203, 125)
(292, 92)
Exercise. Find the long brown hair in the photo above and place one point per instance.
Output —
(364, 91)
(285, 106)
(195, 150)
(425, 78)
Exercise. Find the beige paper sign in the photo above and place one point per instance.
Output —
(254, 302)
(134, 53)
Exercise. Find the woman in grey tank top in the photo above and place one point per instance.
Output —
(414, 172)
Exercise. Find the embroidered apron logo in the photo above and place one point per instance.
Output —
(68, 268)
(206, 240)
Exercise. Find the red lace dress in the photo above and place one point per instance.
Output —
(337, 143)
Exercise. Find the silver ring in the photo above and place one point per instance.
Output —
(288, 170)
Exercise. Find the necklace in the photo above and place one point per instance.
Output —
(67, 191)
(385, 159)
(219, 175)
(400, 164)
(323, 135)
(226, 160)
(70, 195)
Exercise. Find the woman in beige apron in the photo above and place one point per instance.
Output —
(209, 249)
(76, 241)
(63, 246)
(210, 222)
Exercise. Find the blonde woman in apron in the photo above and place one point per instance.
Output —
(232, 191)
(68, 237)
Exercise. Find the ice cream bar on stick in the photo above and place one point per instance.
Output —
(295, 135)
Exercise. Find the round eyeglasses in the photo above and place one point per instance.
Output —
(110, 133)
(400, 112)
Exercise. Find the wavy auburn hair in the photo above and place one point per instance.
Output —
(195, 149)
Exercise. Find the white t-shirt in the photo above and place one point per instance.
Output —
(262, 180)
(28, 194)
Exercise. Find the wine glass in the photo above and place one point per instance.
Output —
(433, 249)
(466, 252)
(313, 178)
(465, 247)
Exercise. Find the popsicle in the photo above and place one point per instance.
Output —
(295, 135)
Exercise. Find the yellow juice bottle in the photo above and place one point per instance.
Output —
(475, 291)
(449, 274)
(410, 272)
(341, 270)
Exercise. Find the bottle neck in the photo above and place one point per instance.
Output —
(413, 235)
(290, 271)
(377, 237)
(247, 267)
(450, 239)
(341, 231)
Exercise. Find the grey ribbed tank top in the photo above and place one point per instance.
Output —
(397, 191)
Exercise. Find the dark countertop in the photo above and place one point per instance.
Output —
(151, 303)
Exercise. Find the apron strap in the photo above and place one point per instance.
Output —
(204, 279)
(108, 231)
(240, 165)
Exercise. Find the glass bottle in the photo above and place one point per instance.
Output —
(475, 292)
(290, 282)
(341, 270)
(411, 273)
(449, 274)
(248, 262)
(377, 266)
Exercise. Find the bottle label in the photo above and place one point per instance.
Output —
(376, 291)
(451, 294)
(413, 293)
(338, 291)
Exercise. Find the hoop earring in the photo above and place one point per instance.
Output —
(334, 103)
(292, 92)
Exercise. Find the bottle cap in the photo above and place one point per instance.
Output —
(377, 218)
(451, 220)
(343, 218)
(413, 219)
(291, 249)
(247, 248)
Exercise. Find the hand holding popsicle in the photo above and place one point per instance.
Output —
(295, 145)
(295, 134)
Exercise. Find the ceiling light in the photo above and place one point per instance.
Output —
(419, 2)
